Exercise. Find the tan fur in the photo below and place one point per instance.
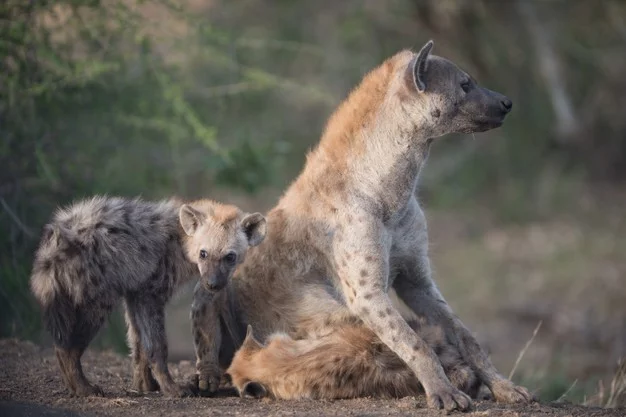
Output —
(350, 229)
(347, 363)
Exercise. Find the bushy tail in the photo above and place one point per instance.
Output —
(59, 313)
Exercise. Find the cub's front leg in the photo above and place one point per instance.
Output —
(207, 338)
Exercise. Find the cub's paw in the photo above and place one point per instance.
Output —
(145, 383)
(88, 390)
(505, 391)
(177, 391)
(205, 384)
(449, 398)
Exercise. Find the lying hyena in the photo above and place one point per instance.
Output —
(350, 229)
(348, 363)
(100, 250)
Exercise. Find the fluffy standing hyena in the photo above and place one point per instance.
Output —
(350, 228)
(102, 249)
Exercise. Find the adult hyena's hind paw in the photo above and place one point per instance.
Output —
(505, 391)
(463, 378)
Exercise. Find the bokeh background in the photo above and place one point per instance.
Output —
(224, 98)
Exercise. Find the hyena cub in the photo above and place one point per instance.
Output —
(102, 249)
(348, 363)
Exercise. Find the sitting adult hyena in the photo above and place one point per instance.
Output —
(350, 228)
(100, 250)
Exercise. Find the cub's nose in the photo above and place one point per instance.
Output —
(506, 105)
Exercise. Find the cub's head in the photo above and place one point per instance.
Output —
(434, 89)
(248, 367)
(218, 237)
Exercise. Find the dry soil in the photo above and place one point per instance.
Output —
(30, 385)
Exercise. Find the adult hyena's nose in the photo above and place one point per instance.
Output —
(506, 104)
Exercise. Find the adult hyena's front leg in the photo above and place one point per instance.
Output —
(207, 338)
(426, 301)
(362, 265)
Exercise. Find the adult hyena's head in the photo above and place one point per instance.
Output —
(218, 238)
(449, 99)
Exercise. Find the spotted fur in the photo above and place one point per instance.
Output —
(350, 229)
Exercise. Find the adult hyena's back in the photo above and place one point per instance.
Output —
(96, 250)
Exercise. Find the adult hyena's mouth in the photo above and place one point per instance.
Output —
(483, 125)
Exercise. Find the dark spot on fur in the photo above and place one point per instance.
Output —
(348, 256)
(416, 347)
(388, 311)
(394, 339)
(365, 311)
(368, 296)
(435, 113)
(363, 272)
(344, 262)
(392, 325)
(369, 258)
(381, 314)
(349, 219)
(362, 282)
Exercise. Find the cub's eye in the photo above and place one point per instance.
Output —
(465, 85)
(230, 258)
(203, 254)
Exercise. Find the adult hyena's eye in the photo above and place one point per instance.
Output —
(230, 258)
(466, 85)
(203, 254)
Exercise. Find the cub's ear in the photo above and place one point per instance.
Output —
(190, 219)
(255, 227)
(419, 66)
(254, 390)
(250, 343)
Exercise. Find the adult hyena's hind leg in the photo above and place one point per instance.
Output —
(143, 380)
(458, 371)
(69, 353)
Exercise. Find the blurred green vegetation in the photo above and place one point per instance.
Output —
(183, 97)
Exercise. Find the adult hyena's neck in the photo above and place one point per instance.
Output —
(380, 161)
(372, 146)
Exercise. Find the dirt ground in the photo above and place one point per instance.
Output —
(30, 385)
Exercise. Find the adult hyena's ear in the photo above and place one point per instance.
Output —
(419, 66)
(190, 219)
(255, 227)
(254, 390)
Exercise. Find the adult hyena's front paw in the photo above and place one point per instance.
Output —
(507, 392)
(448, 398)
